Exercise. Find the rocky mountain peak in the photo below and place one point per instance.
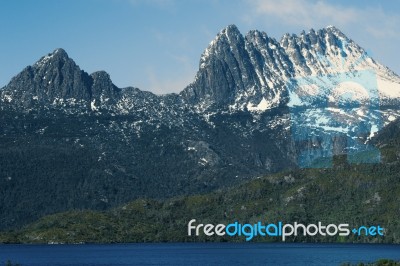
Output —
(101, 75)
(232, 33)
(335, 31)
(58, 55)
(251, 72)
(225, 56)
(224, 42)
(103, 90)
(53, 78)
(57, 79)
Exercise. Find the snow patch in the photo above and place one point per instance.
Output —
(262, 106)
(294, 100)
(44, 60)
(388, 88)
(93, 106)
(8, 98)
(391, 118)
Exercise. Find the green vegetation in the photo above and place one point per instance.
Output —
(381, 262)
(358, 194)
(9, 263)
(364, 194)
(53, 162)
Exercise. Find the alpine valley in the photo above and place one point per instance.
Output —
(258, 112)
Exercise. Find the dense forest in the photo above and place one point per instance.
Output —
(364, 194)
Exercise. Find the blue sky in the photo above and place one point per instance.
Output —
(156, 45)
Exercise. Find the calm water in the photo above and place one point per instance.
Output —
(196, 254)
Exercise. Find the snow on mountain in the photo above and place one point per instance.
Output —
(256, 106)
(245, 72)
(319, 82)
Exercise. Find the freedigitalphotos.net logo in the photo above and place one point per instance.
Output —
(339, 110)
(281, 230)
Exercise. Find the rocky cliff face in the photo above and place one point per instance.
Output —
(239, 72)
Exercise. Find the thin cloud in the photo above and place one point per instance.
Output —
(309, 13)
(171, 38)
(372, 26)
(156, 3)
(303, 12)
(171, 84)
(384, 25)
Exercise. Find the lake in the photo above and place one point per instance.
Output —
(196, 254)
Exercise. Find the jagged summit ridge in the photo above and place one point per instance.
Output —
(236, 73)
(251, 72)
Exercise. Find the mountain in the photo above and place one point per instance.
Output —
(73, 140)
(251, 72)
